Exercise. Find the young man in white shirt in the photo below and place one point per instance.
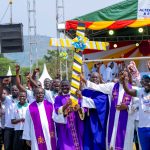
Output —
(144, 109)
(30, 96)
(56, 88)
(5, 92)
(9, 104)
(48, 93)
(18, 118)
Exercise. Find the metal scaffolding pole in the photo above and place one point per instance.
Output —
(10, 3)
(58, 35)
(31, 6)
(60, 18)
(118, 59)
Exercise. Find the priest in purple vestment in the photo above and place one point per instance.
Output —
(70, 134)
(39, 129)
(119, 125)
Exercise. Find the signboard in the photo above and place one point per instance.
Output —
(143, 9)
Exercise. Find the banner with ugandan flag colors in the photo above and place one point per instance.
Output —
(126, 14)
(129, 13)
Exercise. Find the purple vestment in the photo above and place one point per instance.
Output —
(35, 115)
(123, 118)
(70, 135)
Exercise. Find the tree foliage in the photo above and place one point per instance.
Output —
(4, 65)
(23, 71)
(57, 64)
(53, 61)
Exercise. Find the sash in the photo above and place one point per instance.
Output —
(122, 122)
(75, 139)
(35, 115)
(114, 101)
(48, 107)
(123, 117)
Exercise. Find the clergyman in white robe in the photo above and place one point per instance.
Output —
(47, 139)
(116, 138)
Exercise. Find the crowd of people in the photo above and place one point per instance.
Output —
(109, 71)
(113, 111)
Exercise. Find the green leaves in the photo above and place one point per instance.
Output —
(4, 65)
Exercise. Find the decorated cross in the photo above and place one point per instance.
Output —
(78, 44)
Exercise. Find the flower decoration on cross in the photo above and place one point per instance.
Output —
(80, 42)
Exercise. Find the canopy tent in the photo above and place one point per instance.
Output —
(123, 17)
(44, 75)
(9, 73)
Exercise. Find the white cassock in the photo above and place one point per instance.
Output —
(109, 76)
(114, 69)
(107, 89)
(86, 71)
(102, 71)
(94, 69)
(29, 132)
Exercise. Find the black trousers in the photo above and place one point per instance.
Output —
(8, 138)
(19, 143)
(1, 138)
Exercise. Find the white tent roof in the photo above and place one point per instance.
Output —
(44, 75)
(9, 72)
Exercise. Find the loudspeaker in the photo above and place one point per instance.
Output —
(11, 38)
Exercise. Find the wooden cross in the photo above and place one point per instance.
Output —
(78, 44)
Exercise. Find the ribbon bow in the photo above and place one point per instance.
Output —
(80, 42)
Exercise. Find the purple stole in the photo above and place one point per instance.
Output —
(35, 115)
(70, 119)
(73, 131)
(123, 118)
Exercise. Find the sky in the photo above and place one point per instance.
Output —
(46, 12)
